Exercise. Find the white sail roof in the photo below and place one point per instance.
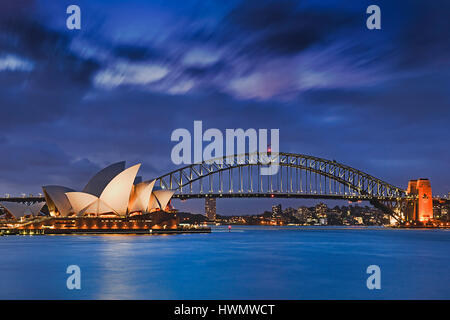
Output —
(80, 200)
(152, 203)
(18, 209)
(36, 207)
(117, 193)
(140, 197)
(56, 199)
(163, 197)
(100, 180)
(97, 207)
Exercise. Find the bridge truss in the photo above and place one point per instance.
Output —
(298, 176)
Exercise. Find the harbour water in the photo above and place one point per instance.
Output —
(250, 262)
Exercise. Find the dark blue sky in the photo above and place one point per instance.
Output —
(74, 101)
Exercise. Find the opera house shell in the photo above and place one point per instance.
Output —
(114, 191)
(19, 210)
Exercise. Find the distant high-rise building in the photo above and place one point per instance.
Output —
(276, 210)
(210, 208)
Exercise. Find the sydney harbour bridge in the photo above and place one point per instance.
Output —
(297, 176)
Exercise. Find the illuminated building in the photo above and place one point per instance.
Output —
(210, 208)
(420, 209)
(113, 201)
(276, 210)
(113, 191)
(145, 223)
(321, 210)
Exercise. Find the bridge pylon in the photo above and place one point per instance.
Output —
(420, 207)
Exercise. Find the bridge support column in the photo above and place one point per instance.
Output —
(388, 208)
(421, 208)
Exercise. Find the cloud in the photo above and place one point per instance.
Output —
(14, 63)
(124, 73)
(198, 57)
(182, 87)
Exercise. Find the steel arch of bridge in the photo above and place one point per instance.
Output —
(299, 176)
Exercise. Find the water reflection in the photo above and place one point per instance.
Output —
(246, 263)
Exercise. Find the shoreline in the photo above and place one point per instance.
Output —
(44, 232)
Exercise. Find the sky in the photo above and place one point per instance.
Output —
(74, 101)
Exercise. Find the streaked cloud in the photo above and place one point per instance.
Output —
(124, 73)
(14, 63)
(200, 57)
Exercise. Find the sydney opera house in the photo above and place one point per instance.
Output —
(115, 199)
(112, 192)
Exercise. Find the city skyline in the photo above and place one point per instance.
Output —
(76, 101)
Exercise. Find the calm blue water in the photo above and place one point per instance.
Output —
(247, 263)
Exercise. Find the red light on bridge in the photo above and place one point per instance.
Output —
(272, 196)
